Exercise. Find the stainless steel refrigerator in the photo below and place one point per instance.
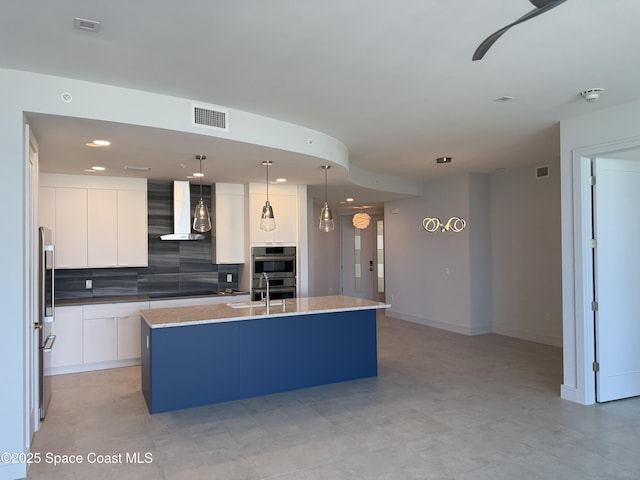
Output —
(46, 280)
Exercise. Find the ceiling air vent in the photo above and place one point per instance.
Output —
(542, 172)
(210, 116)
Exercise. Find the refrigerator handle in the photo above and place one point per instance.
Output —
(48, 345)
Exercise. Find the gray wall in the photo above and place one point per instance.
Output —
(526, 253)
(429, 275)
(324, 252)
(501, 274)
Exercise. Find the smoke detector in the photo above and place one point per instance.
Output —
(592, 94)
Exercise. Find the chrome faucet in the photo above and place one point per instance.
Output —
(266, 297)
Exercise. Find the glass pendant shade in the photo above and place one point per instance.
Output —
(326, 219)
(267, 220)
(201, 218)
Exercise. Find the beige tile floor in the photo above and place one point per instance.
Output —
(444, 406)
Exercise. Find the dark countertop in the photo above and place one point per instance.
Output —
(142, 298)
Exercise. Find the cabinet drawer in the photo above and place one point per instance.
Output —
(112, 310)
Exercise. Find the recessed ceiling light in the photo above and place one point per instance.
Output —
(349, 199)
(102, 143)
(98, 169)
(89, 170)
(444, 160)
(281, 180)
(504, 99)
(198, 174)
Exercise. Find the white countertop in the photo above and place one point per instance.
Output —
(202, 314)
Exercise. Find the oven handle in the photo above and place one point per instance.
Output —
(263, 258)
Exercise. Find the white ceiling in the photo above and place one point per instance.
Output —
(393, 81)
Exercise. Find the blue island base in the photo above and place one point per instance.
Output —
(194, 365)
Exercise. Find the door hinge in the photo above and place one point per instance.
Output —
(594, 306)
(592, 180)
(596, 367)
(593, 243)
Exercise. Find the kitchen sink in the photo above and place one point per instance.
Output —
(256, 303)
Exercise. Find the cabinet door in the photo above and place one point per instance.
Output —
(102, 228)
(71, 227)
(100, 340)
(287, 228)
(230, 222)
(285, 210)
(132, 228)
(67, 327)
(129, 337)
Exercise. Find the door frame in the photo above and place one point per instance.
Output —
(580, 356)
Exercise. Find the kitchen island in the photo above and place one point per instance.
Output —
(205, 354)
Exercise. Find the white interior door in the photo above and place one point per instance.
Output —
(617, 278)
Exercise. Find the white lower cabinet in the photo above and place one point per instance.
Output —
(129, 337)
(67, 327)
(107, 335)
(112, 331)
(100, 339)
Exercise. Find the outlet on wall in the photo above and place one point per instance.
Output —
(88, 284)
(229, 277)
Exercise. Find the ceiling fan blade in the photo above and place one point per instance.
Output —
(491, 39)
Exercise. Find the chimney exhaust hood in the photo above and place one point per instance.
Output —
(182, 214)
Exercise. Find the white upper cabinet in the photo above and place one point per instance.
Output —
(71, 229)
(102, 232)
(284, 200)
(229, 242)
(96, 221)
(132, 228)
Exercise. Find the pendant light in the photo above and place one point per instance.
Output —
(326, 217)
(267, 220)
(201, 217)
(361, 220)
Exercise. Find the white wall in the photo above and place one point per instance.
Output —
(602, 133)
(525, 232)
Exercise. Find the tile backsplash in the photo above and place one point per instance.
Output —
(175, 267)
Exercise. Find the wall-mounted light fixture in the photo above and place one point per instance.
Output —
(201, 216)
(433, 224)
(267, 220)
(326, 217)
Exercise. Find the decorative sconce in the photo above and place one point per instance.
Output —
(454, 224)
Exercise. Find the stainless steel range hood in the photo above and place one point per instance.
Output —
(182, 214)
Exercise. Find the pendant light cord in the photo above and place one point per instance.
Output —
(267, 165)
(200, 178)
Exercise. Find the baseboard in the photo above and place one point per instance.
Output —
(572, 394)
(89, 367)
(531, 337)
(509, 332)
(437, 324)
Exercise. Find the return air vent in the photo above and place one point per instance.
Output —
(209, 116)
(542, 172)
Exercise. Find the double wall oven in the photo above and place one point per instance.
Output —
(279, 263)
